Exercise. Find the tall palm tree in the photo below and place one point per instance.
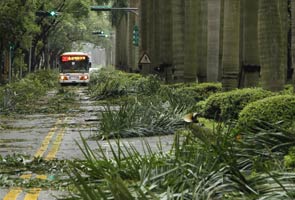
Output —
(250, 52)
(271, 45)
(202, 42)
(155, 32)
(284, 22)
(121, 42)
(214, 33)
(146, 29)
(231, 45)
(165, 18)
(191, 38)
(178, 36)
(143, 25)
(293, 40)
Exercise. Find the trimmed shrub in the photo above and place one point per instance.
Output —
(274, 109)
(200, 91)
(227, 105)
(186, 95)
(288, 89)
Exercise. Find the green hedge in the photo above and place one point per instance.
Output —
(288, 89)
(227, 105)
(186, 95)
(198, 92)
(271, 109)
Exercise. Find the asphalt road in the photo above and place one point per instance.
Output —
(55, 137)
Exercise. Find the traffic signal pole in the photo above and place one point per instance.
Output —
(133, 10)
(108, 8)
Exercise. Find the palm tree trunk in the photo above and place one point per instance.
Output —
(221, 40)
(271, 45)
(121, 43)
(156, 16)
(231, 45)
(143, 26)
(251, 66)
(213, 51)
(178, 38)
(165, 42)
(293, 40)
(283, 13)
(191, 38)
(202, 42)
(166, 31)
(146, 28)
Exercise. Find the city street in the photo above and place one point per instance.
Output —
(55, 136)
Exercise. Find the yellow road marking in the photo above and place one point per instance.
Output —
(55, 146)
(42, 177)
(46, 141)
(26, 176)
(13, 194)
(33, 194)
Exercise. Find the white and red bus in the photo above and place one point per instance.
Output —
(74, 68)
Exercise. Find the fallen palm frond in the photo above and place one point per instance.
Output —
(220, 168)
(141, 118)
(11, 165)
(113, 84)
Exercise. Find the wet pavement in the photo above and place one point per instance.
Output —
(55, 136)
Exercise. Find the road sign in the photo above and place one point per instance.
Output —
(145, 59)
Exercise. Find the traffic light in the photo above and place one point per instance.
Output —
(135, 39)
(53, 13)
(42, 13)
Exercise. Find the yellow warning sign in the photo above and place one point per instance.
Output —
(145, 59)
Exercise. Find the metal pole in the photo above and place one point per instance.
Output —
(9, 68)
(30, 59)
(21, 67)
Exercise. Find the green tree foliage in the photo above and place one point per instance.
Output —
(16, 27)
(23, 30)
(21, 95)
(275, 109)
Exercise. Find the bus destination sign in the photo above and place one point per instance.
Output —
(67, 58)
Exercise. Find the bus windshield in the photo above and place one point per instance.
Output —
(74, 63)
